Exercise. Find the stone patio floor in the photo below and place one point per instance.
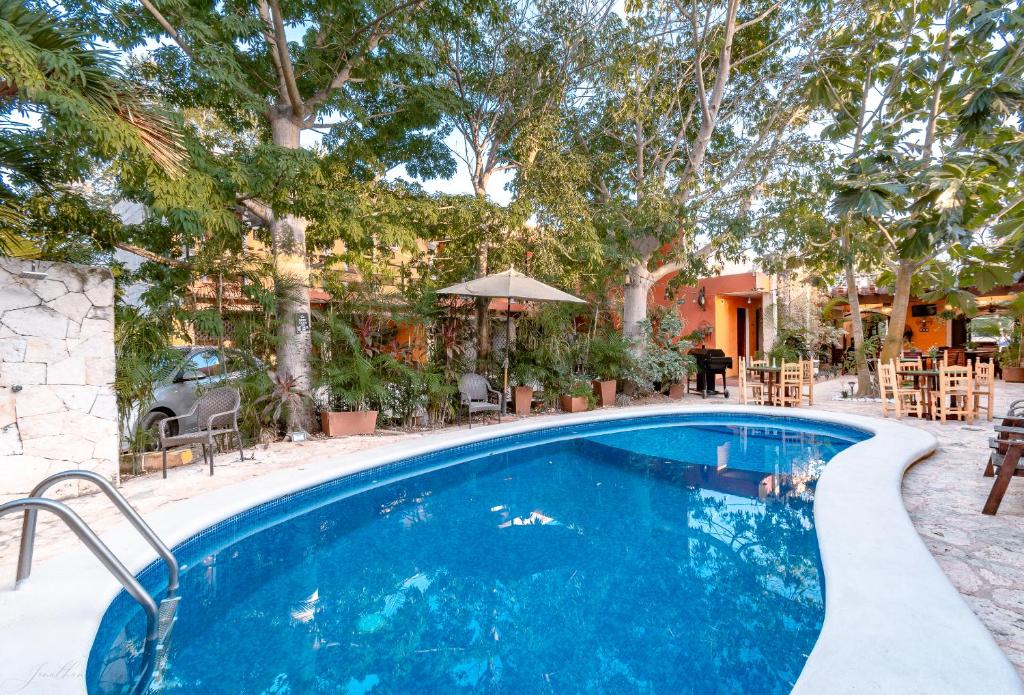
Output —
(982, 555)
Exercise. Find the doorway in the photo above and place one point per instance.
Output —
(742, 334)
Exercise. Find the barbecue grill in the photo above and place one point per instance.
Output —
(711, 362)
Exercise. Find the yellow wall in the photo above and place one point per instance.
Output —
(725, 333)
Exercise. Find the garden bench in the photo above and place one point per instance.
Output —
(1005, 462)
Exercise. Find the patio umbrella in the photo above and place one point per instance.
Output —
(508, 285)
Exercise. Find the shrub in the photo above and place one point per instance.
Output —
(660, 359)
(609, 356)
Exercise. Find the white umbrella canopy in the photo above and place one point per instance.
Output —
(511, 284)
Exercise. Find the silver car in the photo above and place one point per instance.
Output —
(190, 371)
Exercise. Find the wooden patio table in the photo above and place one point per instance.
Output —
(772, 374)
(927, 380)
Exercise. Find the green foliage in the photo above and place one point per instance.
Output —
(286, 397)
(548, 349)
(790, 346)
(1013, 354)
(660, 359)
(348, 367)
(608, 356)
(581, 389)
(143, 358)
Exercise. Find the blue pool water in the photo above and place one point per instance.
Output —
(670, 554)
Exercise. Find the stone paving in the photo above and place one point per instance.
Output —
(943, 493)
(982, 555)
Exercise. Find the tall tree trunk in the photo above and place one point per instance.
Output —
(288, 232)
(483, 312)
(634, 299)
(900, 303)
(856, 325)
(483, 304)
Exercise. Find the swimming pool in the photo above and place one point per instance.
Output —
(673, 553)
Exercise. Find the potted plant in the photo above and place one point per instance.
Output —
(608, 358)
(353, 385)
(525, 378)
(661, 361)
(578, 397)
(1011, 357)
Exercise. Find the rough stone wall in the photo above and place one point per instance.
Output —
(57, 407)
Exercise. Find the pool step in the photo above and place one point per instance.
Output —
(152, 679)
(168, 608)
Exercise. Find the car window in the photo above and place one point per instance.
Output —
(207, 363)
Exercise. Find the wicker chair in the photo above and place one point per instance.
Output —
(475, 394)
(216, 413)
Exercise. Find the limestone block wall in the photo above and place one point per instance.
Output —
(57, 407)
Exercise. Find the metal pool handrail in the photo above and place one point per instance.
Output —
(98, 548)
(28, 526)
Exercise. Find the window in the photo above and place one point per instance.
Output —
(203, 364)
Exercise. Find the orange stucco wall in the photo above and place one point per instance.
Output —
(719, 309)
(934, 336)
(936, 333)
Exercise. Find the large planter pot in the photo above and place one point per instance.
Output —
(522, 399)
(605, 392)
(677, 391)
(1014, 375)
(343, 424)
(574, 404)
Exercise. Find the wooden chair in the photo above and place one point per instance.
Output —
(954, 357)
(911, 362)
(984, 386)
(887, 388)
(807, 380)
(751, 390)
(789, 385)
(909, 399)
(955, 395)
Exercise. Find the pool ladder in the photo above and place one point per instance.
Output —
(159, 617)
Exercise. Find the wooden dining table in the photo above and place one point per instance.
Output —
(926, 380)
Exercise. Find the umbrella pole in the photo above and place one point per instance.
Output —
(508, 337)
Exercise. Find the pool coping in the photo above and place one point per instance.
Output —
(894, 623)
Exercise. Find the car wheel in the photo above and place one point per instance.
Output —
(151, 426)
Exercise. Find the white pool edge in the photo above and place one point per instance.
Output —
(893, 621)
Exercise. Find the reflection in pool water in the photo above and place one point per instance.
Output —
(648, 556)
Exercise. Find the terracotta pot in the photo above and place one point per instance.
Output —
(522, 399)
(342, 424)
(574, 404)
(1014, 375)
(677, 391)
(605, 392)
